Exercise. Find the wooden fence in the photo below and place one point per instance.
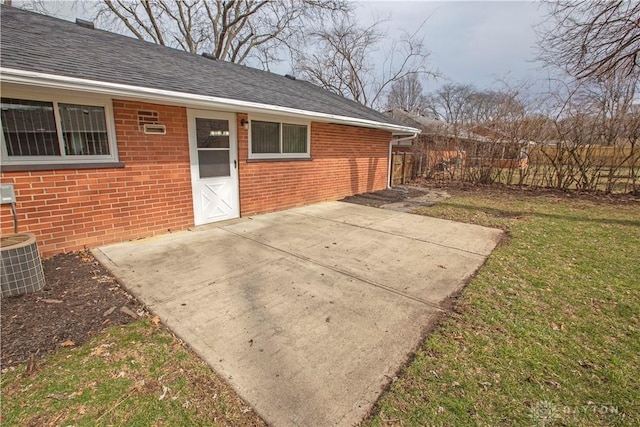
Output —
(402, 168)
(607, 156)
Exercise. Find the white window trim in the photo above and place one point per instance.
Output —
(280, 120)
(56, 97)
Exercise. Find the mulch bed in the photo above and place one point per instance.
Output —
(79, 300)
(384, 197)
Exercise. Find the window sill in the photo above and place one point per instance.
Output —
(282, 159)
(59, 166)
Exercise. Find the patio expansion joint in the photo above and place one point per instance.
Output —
(340, 271)
(453, 248)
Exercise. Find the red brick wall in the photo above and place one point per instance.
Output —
(71, 209)
(346, 160)
(78, 208)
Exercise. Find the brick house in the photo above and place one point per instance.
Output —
(107, 138)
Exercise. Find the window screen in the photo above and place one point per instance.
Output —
(272, 138)
(29, 128)
(294, 138)
(84, 130)
(265, 137)
(33, 129)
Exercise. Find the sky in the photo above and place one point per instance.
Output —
(471, 42)
(475, 42)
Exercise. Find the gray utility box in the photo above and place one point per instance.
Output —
(7, 195)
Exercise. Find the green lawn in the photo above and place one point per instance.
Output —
(547, 333)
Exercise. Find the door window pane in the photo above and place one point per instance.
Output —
(84, 130)
(214, 163)
(294, 138)
(265, 137)
(29, 128)
(212, 133)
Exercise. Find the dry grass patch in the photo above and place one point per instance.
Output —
(137, 374)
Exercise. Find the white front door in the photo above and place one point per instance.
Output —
(214, 165)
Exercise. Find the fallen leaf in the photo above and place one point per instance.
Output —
(67, 343)
(97, 351)
(51, 301)
(69, 396)
(108, 312)
(155, 320)
(31, 366)
(557, 327)
(458, 337)
(586, 364)
(165, 390)
(57, 396)
(126, 310)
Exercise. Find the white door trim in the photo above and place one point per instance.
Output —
(197, 184)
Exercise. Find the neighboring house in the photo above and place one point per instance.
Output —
(443, 142)
(108, 138)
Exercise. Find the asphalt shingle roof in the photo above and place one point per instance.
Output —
(39, 43)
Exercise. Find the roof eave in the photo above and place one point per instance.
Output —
(11, 75)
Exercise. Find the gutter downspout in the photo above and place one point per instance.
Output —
(406, 138)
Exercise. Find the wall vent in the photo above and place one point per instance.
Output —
(85, 23)
(150, 129)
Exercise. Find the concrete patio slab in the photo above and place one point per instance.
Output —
(309, 312)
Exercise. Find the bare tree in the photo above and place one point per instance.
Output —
(591, 38)
(238, 31)
(450, 102)
(492, 106)
(463, 104)
(407, 94)
(342, 60)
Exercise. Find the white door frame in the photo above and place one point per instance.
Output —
(197, 184)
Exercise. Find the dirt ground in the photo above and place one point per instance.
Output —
(422, 193)
(523, 193)
(402, 199)
(79, 300)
